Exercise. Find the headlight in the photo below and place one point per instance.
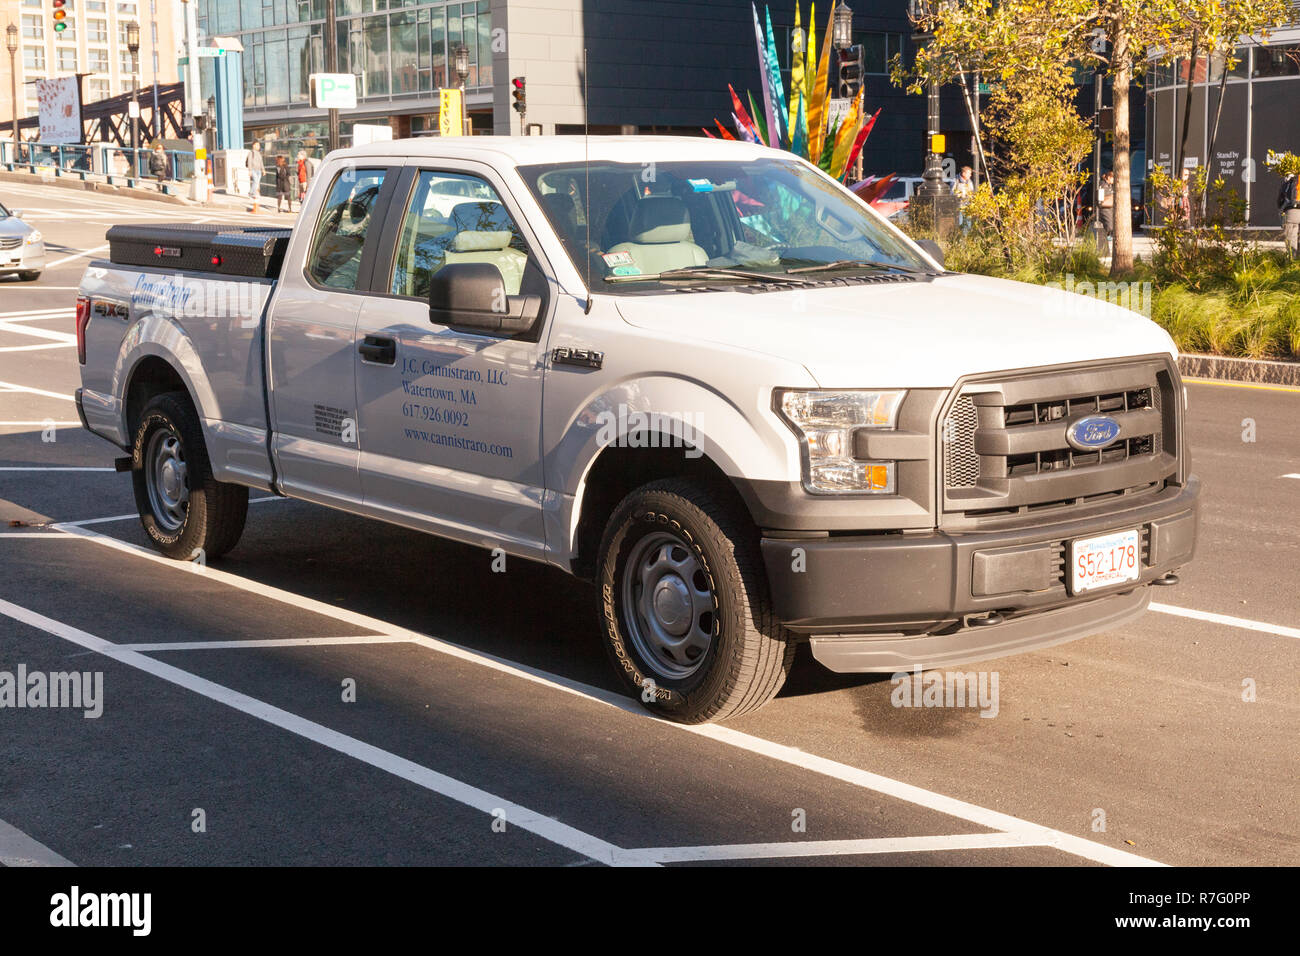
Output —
(33, 237)
(825, 422)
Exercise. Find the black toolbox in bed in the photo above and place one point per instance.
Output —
(254, 251)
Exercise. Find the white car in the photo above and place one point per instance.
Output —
(702, 375)
(22, 248)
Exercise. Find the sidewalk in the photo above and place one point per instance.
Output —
(175, 192)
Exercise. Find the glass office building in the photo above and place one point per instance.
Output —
(1260, 111)
(399, 51)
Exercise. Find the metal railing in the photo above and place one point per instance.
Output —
(95, 159)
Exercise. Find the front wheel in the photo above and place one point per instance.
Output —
(29, 276)
(186, 512)
(686, 613)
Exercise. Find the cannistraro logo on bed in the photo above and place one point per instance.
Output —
(165, 295)
(176, 297)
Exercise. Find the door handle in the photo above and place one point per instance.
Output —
(379, 350)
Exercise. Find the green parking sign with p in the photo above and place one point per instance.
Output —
(333, 91)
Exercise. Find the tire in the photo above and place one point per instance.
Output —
(707, 647)
(29, 276)
(186, 513)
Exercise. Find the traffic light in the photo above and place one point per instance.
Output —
(60, 16)
(852, 67)
(518, 84)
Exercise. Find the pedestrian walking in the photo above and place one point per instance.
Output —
(158, 164)
(1106, 203)
(963, 189)
(283, 183)
(1288, 207)
(302, 174)
(255, 170)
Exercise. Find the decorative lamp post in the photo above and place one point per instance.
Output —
(842, 31)
(11, 44)
(922, 13)
(462, 63)
(133, 45)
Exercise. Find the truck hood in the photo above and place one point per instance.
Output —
(923, 334)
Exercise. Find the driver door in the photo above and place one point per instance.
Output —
(450, 419)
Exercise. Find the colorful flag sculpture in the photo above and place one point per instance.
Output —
(799, 123)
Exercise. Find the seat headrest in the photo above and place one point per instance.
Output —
(660, 219)
(481, 241)
(483, 216)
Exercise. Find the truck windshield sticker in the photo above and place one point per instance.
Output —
(615, 259)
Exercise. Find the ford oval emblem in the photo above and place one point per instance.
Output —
(1092, 433)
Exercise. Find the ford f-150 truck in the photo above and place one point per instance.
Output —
(702, 375)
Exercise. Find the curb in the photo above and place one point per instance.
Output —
(1239, 369)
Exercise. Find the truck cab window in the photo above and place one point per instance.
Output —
(451, 218)
(335, 257)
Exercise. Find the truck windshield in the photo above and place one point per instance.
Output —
(764, 216)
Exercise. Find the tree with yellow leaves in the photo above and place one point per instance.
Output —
(1009, 38)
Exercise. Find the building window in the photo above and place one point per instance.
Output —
(125, 86)
(98, 61)
(97, 30)
(33, 58)
(97, 89)
(126, 9)
(67, 61)
(96, 6)
(1277, 60)
(125, 62)
(33, 3)
(33, 27)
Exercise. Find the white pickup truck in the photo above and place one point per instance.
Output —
(702, 375)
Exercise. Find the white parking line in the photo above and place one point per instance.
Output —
(1022, 829)
(33, 314)
(810, 848)
(134, 516)
(256, 645)
(18, 849)
(42, 424)
(79, 255)
(1280, 630)
(38, 332)
(1291, 476)
(12, 387)
(516, 815)
(35, 348)
(50, 468)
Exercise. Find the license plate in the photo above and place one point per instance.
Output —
(1105, 560)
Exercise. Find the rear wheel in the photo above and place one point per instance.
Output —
(686, 613)
(29, 276)
(186, 512)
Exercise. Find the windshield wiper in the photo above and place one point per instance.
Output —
(707, 272)
(856, 264)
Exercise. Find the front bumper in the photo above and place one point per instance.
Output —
(32, 259)
(890, 602)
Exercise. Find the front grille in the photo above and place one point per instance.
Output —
(1005, 451)
(10, 242)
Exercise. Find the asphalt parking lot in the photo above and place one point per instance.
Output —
(342, 692)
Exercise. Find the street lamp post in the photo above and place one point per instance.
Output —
(922, 14)
(11, 44)
(133, 45)
(842, 30)
(461, 59)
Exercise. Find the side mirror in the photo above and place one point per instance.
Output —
(16, 213)
(931, 248)
(472, 296)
